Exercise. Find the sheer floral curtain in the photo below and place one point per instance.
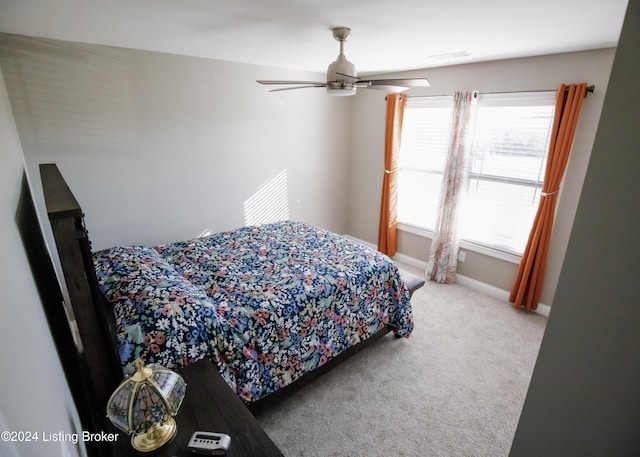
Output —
(387, 228)
(528, 285)
(442, 263)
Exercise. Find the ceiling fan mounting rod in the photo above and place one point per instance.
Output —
(341, 34)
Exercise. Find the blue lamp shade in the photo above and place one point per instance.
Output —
(144, 404)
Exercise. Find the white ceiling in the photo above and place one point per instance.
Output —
(387, 35)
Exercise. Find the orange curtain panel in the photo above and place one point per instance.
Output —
(387, 228)
(528, 285)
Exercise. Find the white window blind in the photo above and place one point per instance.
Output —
(425, 135)
(510, 145)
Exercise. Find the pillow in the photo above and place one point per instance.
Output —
(126, 269)
(160, 316)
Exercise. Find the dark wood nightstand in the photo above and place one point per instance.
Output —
(210, 405)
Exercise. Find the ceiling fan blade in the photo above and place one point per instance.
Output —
(410, 82)
(395, 85)
(266, 82)
(348, 76)
(299, 87)
(387, 88)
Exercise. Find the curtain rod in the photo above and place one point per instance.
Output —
(590, 89)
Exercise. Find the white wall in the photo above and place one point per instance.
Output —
(535, 73)
(160, 147)
(34, 396)
(583, 399)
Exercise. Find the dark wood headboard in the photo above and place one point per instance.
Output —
(98, 355)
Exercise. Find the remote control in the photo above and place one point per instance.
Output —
(209, 443)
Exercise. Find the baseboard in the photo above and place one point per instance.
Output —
(495, 292)
(471, 283)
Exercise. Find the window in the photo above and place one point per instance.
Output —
(425, 135)
(509, 150)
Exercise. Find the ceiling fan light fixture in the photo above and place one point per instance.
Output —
(341, 89)
(341, 76)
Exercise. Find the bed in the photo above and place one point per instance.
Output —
(270, 305)
(266, 303)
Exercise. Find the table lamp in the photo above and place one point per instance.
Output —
(144, 404)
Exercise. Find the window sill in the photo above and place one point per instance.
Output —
(466, 245)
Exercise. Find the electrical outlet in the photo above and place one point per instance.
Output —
(462, 256)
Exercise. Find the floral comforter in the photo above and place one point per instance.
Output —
(266, 304)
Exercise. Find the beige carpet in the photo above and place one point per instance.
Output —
(454, 388)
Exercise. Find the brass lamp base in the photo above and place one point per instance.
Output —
(155, 438)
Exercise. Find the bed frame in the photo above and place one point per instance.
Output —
(97, 351)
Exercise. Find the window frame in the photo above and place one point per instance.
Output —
(533, 98)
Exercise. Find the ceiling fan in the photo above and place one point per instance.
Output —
(342, 78)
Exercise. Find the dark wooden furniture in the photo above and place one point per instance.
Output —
(95, 355)
(98, 357)
(52, 300)
(413, 282)
(210, 405)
